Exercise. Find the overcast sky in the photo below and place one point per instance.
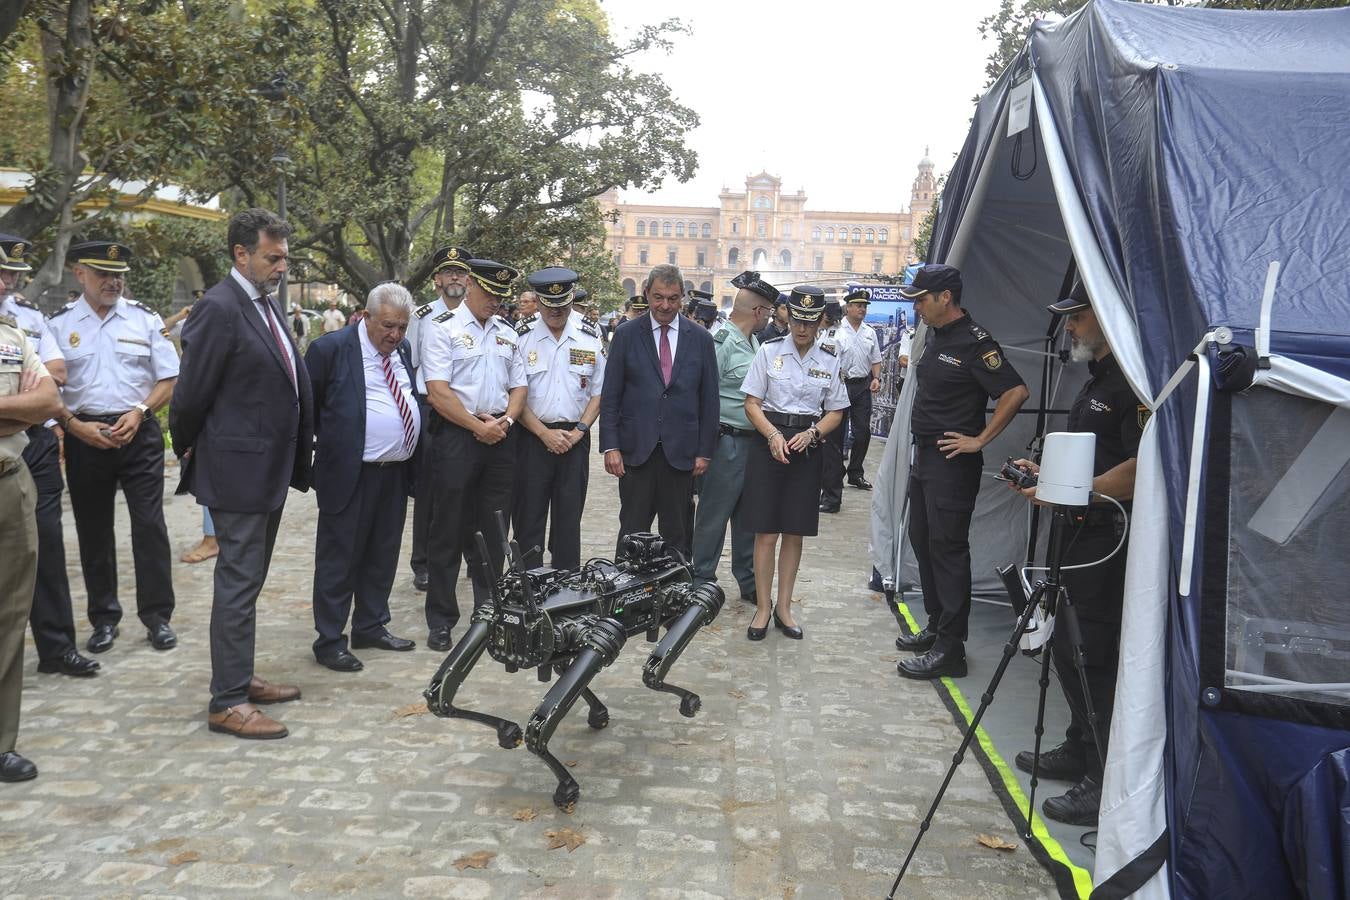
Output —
(837, 98)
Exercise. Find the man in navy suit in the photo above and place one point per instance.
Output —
(658, 410)
(242, 420)
(366, 425)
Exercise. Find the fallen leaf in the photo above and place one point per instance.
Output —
(186, 856)
(715, 629)
(994, 842)
(876, 598)
(739, 695)
(412, 709)
(477, 860)
(525, 815)
(572, 763)
(564, 837)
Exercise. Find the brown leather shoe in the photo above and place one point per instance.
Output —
(260, 691)
(246, 721)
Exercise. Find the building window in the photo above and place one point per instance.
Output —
(760, 227)
(904, 235)
(735, 226)
(885, 235)
(706, 286)
(707, 230)
(829, 234)
(786, 259)
(848, 262)
(693, 229)
(857, 235)
(818, 262)
(665, 229)
(876, 262)
(652, 228)
(642, 229)
(732, 256)
(618, 258)
(726, 299)
(787, 229)
(629, 287)
(702, 257)
(761, 202)
(815, 233)
(679, 229)
(871, 236)
(672, 255)
(642, 256)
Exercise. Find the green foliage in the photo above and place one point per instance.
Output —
(1010, 25)
(925, 235)
(157, 244)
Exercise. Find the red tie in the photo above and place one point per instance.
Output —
(409, 437)
(666, 361)
(266, 301)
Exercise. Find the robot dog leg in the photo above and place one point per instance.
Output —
(446, 683)
(702, 604)
(601, 643)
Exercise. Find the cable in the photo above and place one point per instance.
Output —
(1119, 544)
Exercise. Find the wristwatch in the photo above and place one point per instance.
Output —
(583, 427)
(509, 421)
(145, 410)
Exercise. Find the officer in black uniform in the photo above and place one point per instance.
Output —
(1107, 407)
(961, 368)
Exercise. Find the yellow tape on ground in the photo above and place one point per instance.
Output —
(1082, 878)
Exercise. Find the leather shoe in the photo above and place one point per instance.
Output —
(934, 664)
(1067, 762)
(102, 638)
(70, 663)
(162, 636)
(421, 581)
(439, 639)
(756, 634)
(919, 642)
(860, 483)
(260, 691)
(829, 507)
(246, 721)
(792, 631)
(14, 767)
(382, 641)
(1078, 806)
(340, 661)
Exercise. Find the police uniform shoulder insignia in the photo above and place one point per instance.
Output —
(505, 321)
(978, 333)
(423, 311)
(141, 306)
(26, 303)
(774, 340)
(523, 328)
(992, 360)
(720, 335)
(62, 311)
(444, 317)
(1141, 416)
(588, 328)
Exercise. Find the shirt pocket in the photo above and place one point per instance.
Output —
(132, 349)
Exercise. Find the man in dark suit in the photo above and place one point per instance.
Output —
(366, 425)
(658, 410)
(242, 420)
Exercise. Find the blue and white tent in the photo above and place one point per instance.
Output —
(1193, 164)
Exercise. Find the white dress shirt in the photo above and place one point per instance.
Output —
(857, 350)
(564, 373)
(479, 361)
(113, 362)
(787, 382)
(268, 316)
(384, 423)
(673, 335)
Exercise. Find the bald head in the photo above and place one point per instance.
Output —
(749, 311)
(746, 301)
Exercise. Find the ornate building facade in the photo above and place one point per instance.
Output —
(765, 229)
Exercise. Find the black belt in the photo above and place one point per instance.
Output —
(858, 380)
(106, 418)
(736, 432)
(561, 426)
(380, 464)
(9, 466)
(790, 420)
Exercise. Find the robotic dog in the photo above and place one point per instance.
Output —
(574, 624)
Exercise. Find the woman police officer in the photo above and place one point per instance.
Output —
(789, 383)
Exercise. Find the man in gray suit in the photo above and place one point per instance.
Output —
(242, 420)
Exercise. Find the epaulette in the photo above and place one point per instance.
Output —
(588, 328)
(524, 325)
(445, 316)
(505, 321)
(25, 302)
(774, 340)
(721, 335)
(139, 305)
(824, 349)
(978, 333)
(62, 311)
(424, 310)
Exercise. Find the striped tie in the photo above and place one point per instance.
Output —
(409, 438)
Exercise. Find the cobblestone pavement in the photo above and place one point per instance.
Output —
(804, 775)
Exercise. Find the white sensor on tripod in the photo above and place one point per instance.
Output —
(1066, 468)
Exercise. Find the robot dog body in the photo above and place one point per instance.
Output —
(574, 624)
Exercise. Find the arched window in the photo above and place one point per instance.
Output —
(688, 285)
(693, 229)
(885, 235)
(871, 236)
(706, 286)
(642, 232)
(665, 229)
(732, 256)
(829, 234)
(761, 202)
(786, 259)
(857, 235)
(629, 286)
(652, 227)
(679, 229)
(815, 233)
(707, 229)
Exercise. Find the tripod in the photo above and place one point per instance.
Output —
(1050, 594)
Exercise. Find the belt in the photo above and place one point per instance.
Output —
(9, 466)
(790, 420)
(380, 464)
(561, 426)
(1097, 518)
(858, 380)
(106, 418)
(735, 432)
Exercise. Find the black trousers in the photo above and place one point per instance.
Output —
(942, 496)
(552, 492)
(52, 618)
(858, 418)
(246, 541)
(1098, 596)
(422, 499)
(94, 476)
(356, 557)
(656, 490)
(473, 482)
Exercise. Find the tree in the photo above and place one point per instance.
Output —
(925, 235)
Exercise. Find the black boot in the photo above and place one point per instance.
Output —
(919, 642)
(1078, 806)
(1067, 762)
(936, 663)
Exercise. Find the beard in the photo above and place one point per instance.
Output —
(1084, 351)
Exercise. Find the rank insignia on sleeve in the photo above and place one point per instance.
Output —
(1141, 415)
(992, 360)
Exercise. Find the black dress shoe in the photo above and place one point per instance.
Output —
(756, 634)
(340, 661)
(382, 641)
(860, 483)
(1067, 762)
(162, 636)
(792, 631)
(14, 767)
(421, 581)
(934, 664)
(1078, 806)
(829, 507)
(102, 638)
(920, 642)
(70, 663)
(439, 639)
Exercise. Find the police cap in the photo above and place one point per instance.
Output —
(1078, 299)
(493, 277)
(750, 281)
(451, 258)
(933, 278)
(553, 286)
(13, 253)
(106, 256)
(806, 303)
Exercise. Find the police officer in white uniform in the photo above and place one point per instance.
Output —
(476, 390)
(52, 617)
(793, 398)
(120, 368)
(859, 354)
(564, 361)
(450, 275)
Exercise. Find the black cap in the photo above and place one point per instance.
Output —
(451, 258)
(1078, 299)
(581, 297)
(553, 286)
(697, 295)
(933, 278)
(806, 303)
(751, 281)
(106, 256)
(493, 277)
(859, 295)
(833, 310)
(638, 301)
(13, 253)
(706, 310)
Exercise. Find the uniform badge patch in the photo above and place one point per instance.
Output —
(468, 341)
(1141, 415)
(532, 357)
(581, 357)
(778, 363)
(507, 342)
(992, 360)
(74, 339)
